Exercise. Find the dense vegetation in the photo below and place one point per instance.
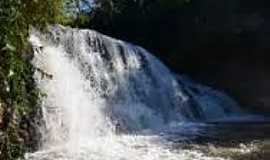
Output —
(18, 94)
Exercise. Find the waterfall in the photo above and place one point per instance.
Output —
(105, 99)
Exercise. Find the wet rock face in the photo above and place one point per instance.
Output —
(243, 74)
(249, 83)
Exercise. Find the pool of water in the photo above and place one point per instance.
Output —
(211, 141)
(233, 141)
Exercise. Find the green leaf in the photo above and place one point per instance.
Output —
(10, 47)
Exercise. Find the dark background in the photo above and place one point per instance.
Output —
(220, 43)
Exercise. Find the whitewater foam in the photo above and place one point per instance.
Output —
(108, 99)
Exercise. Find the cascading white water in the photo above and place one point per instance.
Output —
(110, 100)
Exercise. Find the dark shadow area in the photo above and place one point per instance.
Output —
(222, 43)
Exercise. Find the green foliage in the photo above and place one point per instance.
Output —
(18, 92)
(76, 12)
(17, 16)
(20, 98)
